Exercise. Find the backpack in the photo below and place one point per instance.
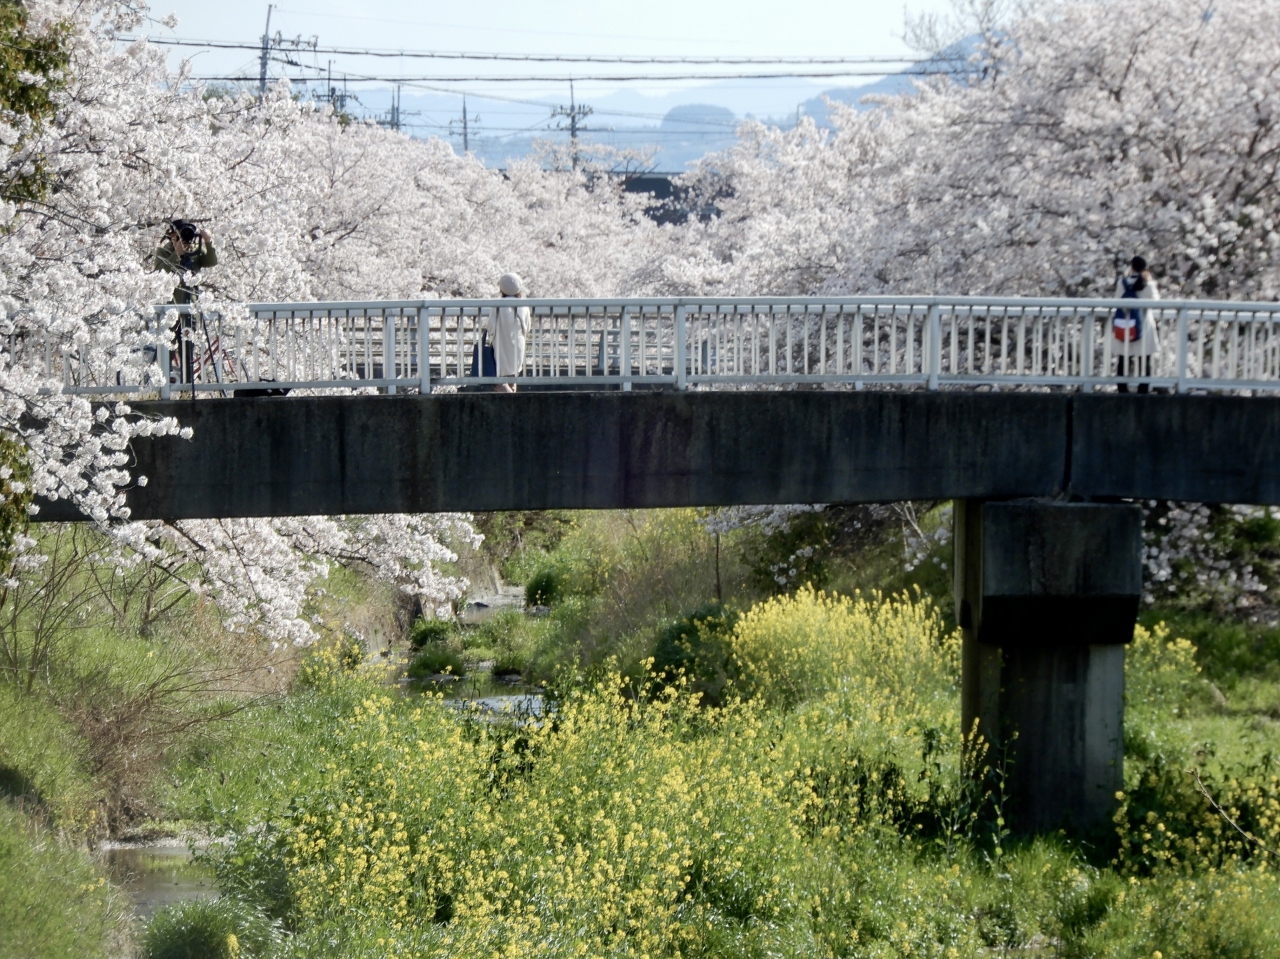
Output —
(1126, 325)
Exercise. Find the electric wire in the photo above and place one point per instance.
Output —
(614, 78)
(625, 59)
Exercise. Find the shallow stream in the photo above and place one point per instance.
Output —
(155, 876)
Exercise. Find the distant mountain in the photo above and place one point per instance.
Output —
(699, 116)
(891, 86)
(677, 133)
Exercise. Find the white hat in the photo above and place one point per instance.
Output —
(511, 284)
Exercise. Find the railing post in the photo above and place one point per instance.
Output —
(624, 366)
(163, 347)
(424, 352)
(682, 349)
(1184, 347)
(1086, 355)
(389, 351)
(935, 346)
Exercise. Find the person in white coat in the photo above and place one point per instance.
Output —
(1134, 330)
(508, 331)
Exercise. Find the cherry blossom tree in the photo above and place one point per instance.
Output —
(1097, 132)
(301, 207)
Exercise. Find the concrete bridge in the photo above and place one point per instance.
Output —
(1004, 406)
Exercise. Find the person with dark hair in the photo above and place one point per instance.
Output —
(1137, 339)
(185, 251)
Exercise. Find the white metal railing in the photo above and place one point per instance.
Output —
(684, 342)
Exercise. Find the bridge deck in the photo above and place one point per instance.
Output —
(366, 454)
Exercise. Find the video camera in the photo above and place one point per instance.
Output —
(184, 230)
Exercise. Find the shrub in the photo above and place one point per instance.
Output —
(210, 929)
(1228, 650)
(793, 648)
(1160, 673)
(327, 663)
(510, 663)
(698, 646)
(437, 658)
(504, 629)
(794, 554)
(824, 814)
(544, 587)
(1180, 820)
(428, 631)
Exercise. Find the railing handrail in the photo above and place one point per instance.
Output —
(675, 302)
(702, 341)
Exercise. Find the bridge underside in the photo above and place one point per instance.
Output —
(335, 455)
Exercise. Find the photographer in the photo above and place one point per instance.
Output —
(185, 251)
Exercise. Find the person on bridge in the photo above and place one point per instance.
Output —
(1137, 339)
(508, 329)
(185, 251)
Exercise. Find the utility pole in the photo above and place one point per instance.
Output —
(574, 113)
(337, 100)
(266, 55)
(466, 121)
(395, 115)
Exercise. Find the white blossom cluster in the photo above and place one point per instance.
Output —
(786, 572)
(767, 519)
(1187, 554)
(918, 544)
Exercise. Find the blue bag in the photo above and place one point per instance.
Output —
(483, 361)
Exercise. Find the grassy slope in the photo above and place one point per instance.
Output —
(53, 900)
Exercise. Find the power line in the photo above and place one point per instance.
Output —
(640, 132)
(636, 60)
(490, 28)
(616, 78)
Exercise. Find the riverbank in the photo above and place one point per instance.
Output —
(863, 797)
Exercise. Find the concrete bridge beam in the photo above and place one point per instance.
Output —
(1047, 595)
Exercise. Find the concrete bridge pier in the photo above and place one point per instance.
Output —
(1047, 595)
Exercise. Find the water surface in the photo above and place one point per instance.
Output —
(157, 876)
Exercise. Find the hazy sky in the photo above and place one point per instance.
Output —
(744, 27)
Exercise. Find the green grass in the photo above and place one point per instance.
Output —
(435, 659)
(210, 929)
(43, 762)
(424, 631)
(53, 902)
(229, 774)
(1231, 712)
(1231, 652)
(626, 578)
